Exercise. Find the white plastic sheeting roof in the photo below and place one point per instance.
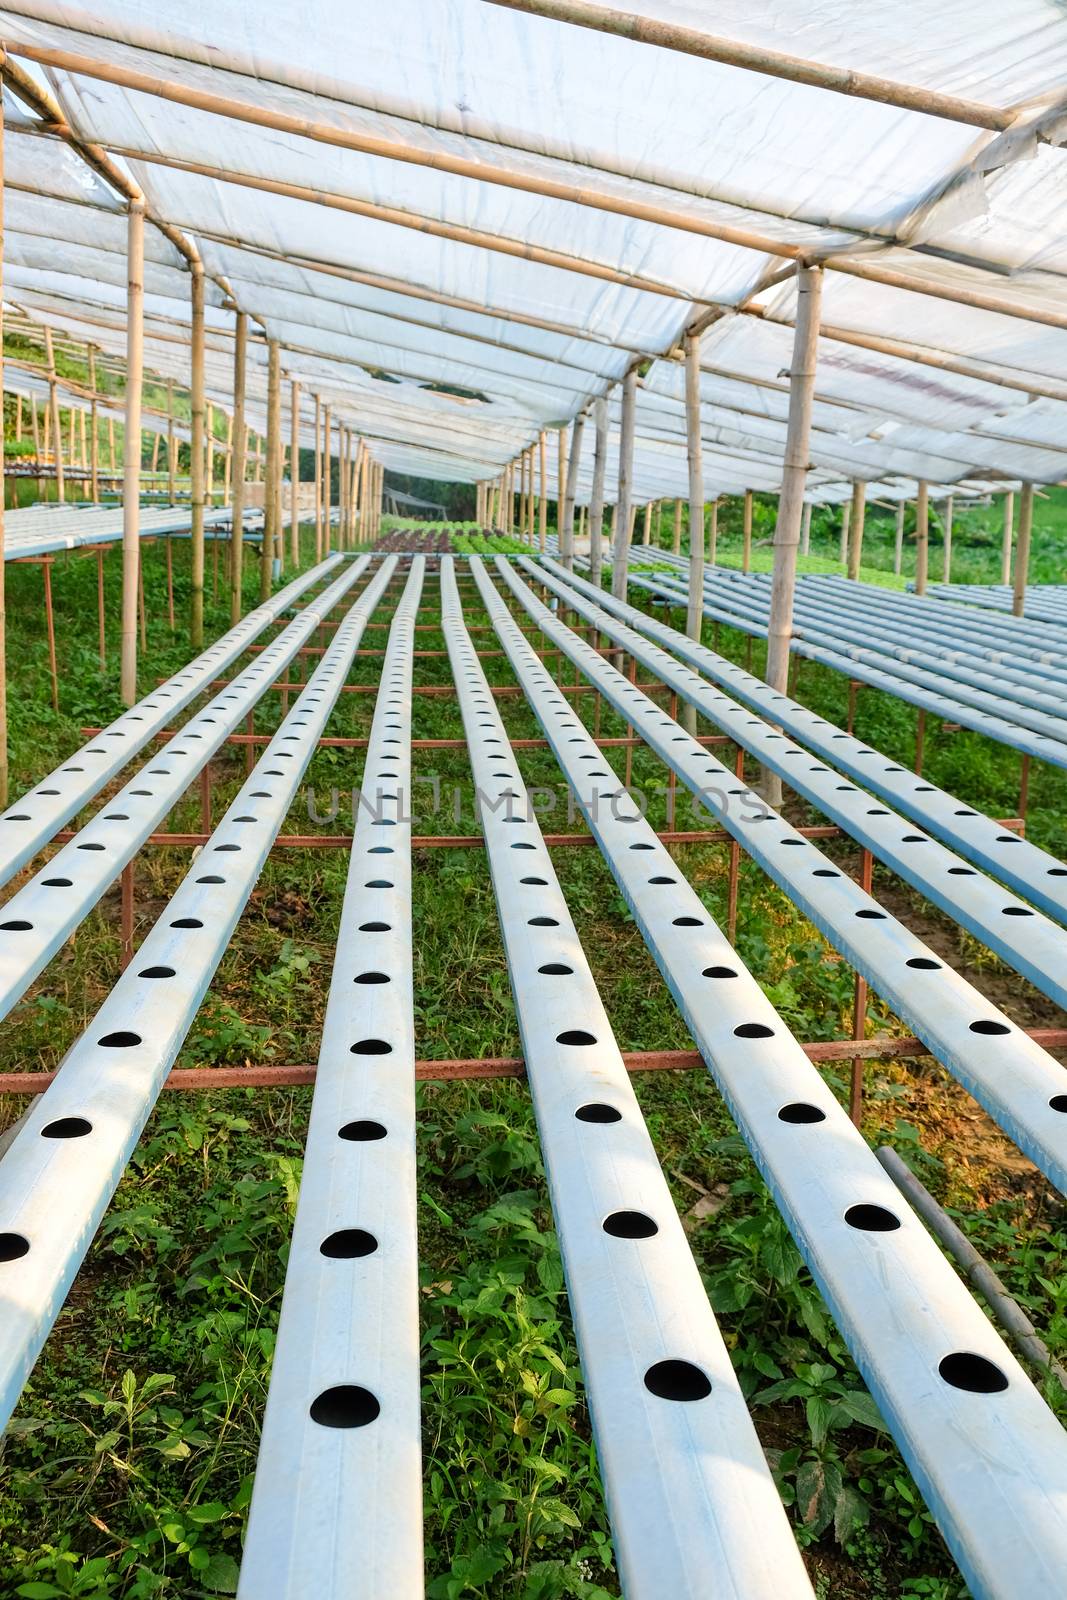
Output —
(361, 282)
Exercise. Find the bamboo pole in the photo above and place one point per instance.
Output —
(794, 476)
(596, 503)
(94, 432)
(357, 517)
(196, 461)
(1005, 549)
(1022, 551)
(922, 537)
(266, 574)
(84, 453)
(294, 472)
(947, 571)
(172, 445)
(542, 511)
(620, 571)
(237, 476)
(111, 456)
(18, 419)
(573, 461)
(859, 510)
(746, 531)
(898, 543)
(209, 454)
(713, 535)
(318, 479)
(676, 542)
(646, 531)
(805, 529)
(327, 479)
(53, 412)
(846, 523)
(227, 459)
(531, 516)
(37, 443)
(695, 608)
(343, 485)
(131, 474)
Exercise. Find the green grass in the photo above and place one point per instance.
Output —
(128, 1469)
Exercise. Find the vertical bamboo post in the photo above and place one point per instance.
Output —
(237, 474)
(620, 571)
(646, 531)
(327, 479)
(131, 473)
(294, 472)
(846, 520)
(922, 537)
(37, 444)
(318, 479)
(898, 543)
(859, 511)
(1005, 549)
(227, 461)
(357, 520)
(18, 418)
(266, 573)
(112, 458)
(794, 475)
(209, 454)
(542, 509)
(94, 421)
(1022, 550)
(746, 533)
(567, 542)
(676, 537)
(561, 478)
(172, 445)
(196, 461)
(805, 529)
(53, 412)
(343, 485)
(713, 535)
(596, 503)
(522, 495)
(947, 569)
(695, 609)
(5, 778)
(532, 515)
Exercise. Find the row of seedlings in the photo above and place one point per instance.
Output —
(337, 1504)
(692, 1504)
(71, 1150)
(29, 822)
(981, 839)
(981, 1443)
(40, 917)
(1019, 1084)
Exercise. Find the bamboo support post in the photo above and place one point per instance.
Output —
(859, 513)
(294, 472)
(53, 413)
(1005, 548)
(573, 460)
(1022, 550)
(172, 445)
(946, 572)
(94, 432)
(542, 508)
(713, 534)
(676, 539)
(237, 475)
(746, 533)
(318, 479)
(196, 462)
(269, 497)
(898, 543)
(794, 475)
(620, 572)
(596, 503)
(209, 454)
(922, 537)
(131, 465)
(695, 608)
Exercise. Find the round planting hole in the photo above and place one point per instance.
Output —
(347, 1244)
(555, 969)
(542, 922)
(372, 1047)
(67, 1128)
(575, 1036)
(924, 964)
(965, 1370)
(753, 1030)
(13, 1246)
(541, 882)
(371, 977)
(374, 927)
(56, 883)
(361, 1132)
(122, 1039)
(156, 972)
(677, 1380)
(872, 916)
(872, 1219)
(597, 1111)
(345, 1406)
(800, 1112)
(1059, 1102)
(16, 925)
(983, 1025)
(187, 922)
(719, 972)
(630, 1225)
(378, 883)
(688, 922)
